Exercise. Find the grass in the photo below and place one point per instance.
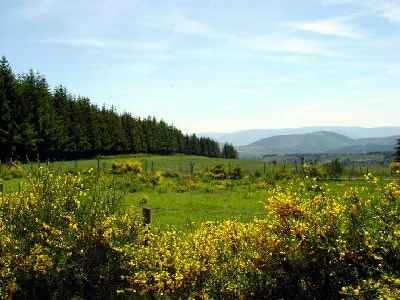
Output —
(77, 234)
(183, 210)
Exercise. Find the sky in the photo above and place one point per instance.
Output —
(217, 65)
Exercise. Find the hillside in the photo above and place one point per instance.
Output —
(246, 137)
(316, 142)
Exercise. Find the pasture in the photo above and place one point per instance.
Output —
(185, 195)
(223, 230)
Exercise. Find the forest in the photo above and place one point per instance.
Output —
(39, 123)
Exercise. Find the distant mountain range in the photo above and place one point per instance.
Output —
(246, 137)
(317, 142)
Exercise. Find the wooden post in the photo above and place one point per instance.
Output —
(265, 168)
(146, 215)
(152, 166)
(191, 169)
(98, 164)
(1, 187)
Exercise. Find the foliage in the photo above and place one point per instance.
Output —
(217, 173)
(11, 171)
(397, 151)
(236, 173)
(395, 167)
(229, 151)
(65, 236)
(334, 168)
(61, 238)
(133, 167)
(36, 122)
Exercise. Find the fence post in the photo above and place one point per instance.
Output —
(98, 164)
(1, 187)
(146, 215)
(152, 166)
(265, 168)
(191, 169)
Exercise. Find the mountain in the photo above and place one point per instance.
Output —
(246, 137)
(316, 142)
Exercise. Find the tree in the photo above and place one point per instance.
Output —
(37, 122)
(228, 151)
(7, 98)
(397, 152)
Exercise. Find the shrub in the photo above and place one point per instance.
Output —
(11, 171)
(334, 168)
(61, 239)
(236, 173)
(312, 171)
(170, 174)
(395, 167)
(133, 167)
(217, 173)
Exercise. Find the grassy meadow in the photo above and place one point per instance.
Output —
(220, 229)
(172, 202)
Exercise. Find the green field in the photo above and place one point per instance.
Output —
(175, 204)
(221, 229)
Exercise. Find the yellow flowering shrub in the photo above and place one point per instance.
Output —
(133, 167)
(64, 237)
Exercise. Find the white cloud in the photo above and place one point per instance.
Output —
(177, 23)
(99, 43)
(287, 45)
(387, 9)
(391, 11)
(333, 27)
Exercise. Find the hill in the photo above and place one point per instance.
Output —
(316, 142)
(246, 137)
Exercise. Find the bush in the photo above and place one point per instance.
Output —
(63, 238)
(334, 168)
(236, 173)
(217, 173)
(133, 167)
(395, 167)
(11, 171)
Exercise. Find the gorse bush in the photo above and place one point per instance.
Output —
(66, 236)
(61, 238)
(11, 171)
(133, 167)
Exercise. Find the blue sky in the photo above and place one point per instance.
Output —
(217, 65)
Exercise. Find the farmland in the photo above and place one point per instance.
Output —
(182, 198)
(220, 229)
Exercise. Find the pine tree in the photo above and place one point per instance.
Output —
(36, 122)
(7, 97)
(397, 152)
(229, 151)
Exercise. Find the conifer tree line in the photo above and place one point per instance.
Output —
(397, 151)
(36, 122)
